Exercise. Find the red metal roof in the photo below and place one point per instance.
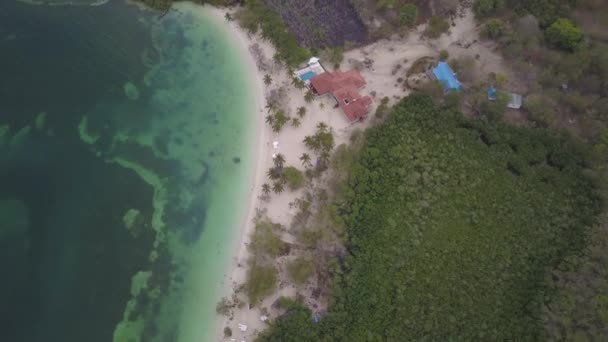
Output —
(331, 81)
(344, 86)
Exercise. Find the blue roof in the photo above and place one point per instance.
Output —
(492, 93)
(445, 75)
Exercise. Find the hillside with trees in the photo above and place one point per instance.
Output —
(452, 225)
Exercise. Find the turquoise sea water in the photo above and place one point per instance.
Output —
(125, 154)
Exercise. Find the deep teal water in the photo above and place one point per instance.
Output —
(124, 154)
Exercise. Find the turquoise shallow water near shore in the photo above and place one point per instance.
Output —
(125, 156)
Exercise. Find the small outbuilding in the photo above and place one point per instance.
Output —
(515, 101)
(444, 74)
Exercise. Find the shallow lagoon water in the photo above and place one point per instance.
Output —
(125, 154)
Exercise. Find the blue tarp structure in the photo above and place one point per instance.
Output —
(445, 75)
(492, 94)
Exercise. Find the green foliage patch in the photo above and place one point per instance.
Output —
(452, 225)
(257, 15)
(494, 28)
(300, 270)
(294, 177)
(564, 34)
(408, 14)
(484, 8)
(265, 242)
(261, 282)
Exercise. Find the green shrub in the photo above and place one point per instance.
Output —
(310, 237)
(264, 241)
(540, 110)
(494, 110)
(223, 307)
(546, 11)
(384, 4)
(261, 282)
(382, 109)
(444, 55)
(294, 178)
(493, 29)
(436, 27)
(484, 8)
(300, 270)
(296, 325)
(408, 15)
(564, 34)
(453, 100)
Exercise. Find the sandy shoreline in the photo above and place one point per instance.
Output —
(260, 156)
(383, 65)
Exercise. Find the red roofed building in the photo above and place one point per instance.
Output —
(344, 87)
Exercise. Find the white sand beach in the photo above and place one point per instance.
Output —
(376, 63)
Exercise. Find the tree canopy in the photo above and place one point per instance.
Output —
(564, 34)
(452, 225)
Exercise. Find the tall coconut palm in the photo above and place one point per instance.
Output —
(266, 189)
(312, 143)
(271, 105)
(273, 173)
(279, 161)
(295, 122)
(278, 187)
(321, 126)
(306, 160)
(309, 96)
(298, 83)
(267, 79)
(270, 119)
(301, 112)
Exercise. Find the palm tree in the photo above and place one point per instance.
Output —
(281, 117)
(273, 173)
(271, 105)
(278, 187)
(306, 160)
(279, 161)
(265, 189)
(228, 17)
(277, 126)
(295, 122)
(267, 79)
(297, 83)
(312, 143)
(322, 126)
(309, 96)
(301, 112)
(270, 119)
